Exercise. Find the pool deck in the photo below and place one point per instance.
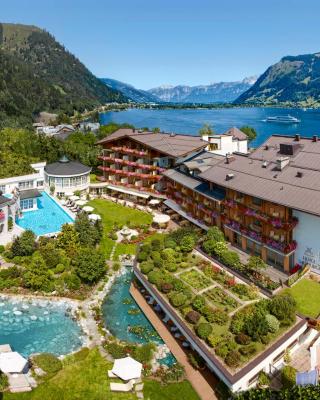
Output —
(203, 385)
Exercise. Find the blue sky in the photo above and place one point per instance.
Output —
(152, 42)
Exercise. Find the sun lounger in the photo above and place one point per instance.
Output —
(121, 387)
(111, 374)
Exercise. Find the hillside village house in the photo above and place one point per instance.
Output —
(267, 202)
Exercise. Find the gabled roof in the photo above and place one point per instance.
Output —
(174, 145)
(236, 133)
(296, 186)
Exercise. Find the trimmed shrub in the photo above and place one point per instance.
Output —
(222, 349)
(215, 234)
(156, 244)
(288, 376)
(155, 277)
(146, 267)
(48, 362)
(256, 326)
(3, 382)
(283, 307)
(233, 358)
(144, 353)
(193, 317)
(187, 243)
(242, 338)
(115, 350)
(166, 287)
(273, 323)
(213, 340)
(178, 299)
(142, 256)
(230, 258)
(198, 303)
(204, 330)
(59, 269)
(248, 350)
(218, 316)
(265, 339)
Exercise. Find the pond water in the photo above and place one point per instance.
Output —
(35, 326)
(120, 312)
(189, 121)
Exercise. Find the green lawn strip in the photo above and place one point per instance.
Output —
(112, 213)
(307, 295)
(85, 379)
(153, 390)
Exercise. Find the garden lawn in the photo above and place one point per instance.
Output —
(307, 295)
(196, 279)
(111, 214)
(86, 379)
(183, 390)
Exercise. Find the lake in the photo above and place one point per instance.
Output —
(189, 121)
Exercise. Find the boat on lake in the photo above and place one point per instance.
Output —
(283, 119)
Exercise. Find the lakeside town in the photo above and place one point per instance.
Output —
(211, 241)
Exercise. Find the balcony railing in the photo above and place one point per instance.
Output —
(132, 163)
(283, 247)
(129, 173)
(128, 150)
(275, 222)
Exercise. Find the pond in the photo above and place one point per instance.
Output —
(36, 326)
(125, 320)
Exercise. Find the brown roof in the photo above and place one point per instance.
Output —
(297, 186)
(236, 133)
(174, 145)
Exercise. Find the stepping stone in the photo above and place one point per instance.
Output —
(140, 395)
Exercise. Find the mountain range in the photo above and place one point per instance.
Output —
(38, 74)
(293, 80)
(221, 92)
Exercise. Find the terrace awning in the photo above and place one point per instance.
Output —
(127, 368)
(127, 191)
(175, 207)
(12, 362)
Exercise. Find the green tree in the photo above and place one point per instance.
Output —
(187, 244)
(89, 234)
(215, 234)
(249, 131)
(37, 275)
(90, 265)
(68, 240)
(206, 130)
(51, 255)
(24, 245)
(255, 263)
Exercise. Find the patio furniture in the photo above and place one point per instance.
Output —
(81, 202)
(127, 368)
(88, 209)
(121, 387)
(94, 217)
(111, 374)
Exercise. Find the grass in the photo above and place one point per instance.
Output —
(182, 390)
(111, 214)
(307, 294)
(86, 379)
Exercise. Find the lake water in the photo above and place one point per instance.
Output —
(190, 121)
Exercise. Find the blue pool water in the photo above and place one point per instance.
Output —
(36, 326)
(117, 319)
(49, 217)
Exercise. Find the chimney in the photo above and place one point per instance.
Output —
(314, 138)
(229, 158)
(299, 174)
(297, 137)
(282, 162)
(229, 177)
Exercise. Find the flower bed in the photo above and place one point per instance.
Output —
(195, 279)
(220, 298)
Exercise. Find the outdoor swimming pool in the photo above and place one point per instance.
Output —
(120, 312)
(35, 326)
(49, 217)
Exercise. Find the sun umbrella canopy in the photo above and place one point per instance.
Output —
(74, 198)
(161, 219)
(88, 209)
(127, 368)
(81, 202)
(94, 217)
(154, 202)
(12, 362)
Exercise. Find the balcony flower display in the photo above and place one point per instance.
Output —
(229, 203)
(215, 214)
(255, 236)
(283, 247)
(2, 215)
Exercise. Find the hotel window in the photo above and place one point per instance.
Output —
(253, 379)
(26, 204)
(26, 185)
(58, 181)
(256, 201)
(39, 183)
(3, 188)
(278, 358)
